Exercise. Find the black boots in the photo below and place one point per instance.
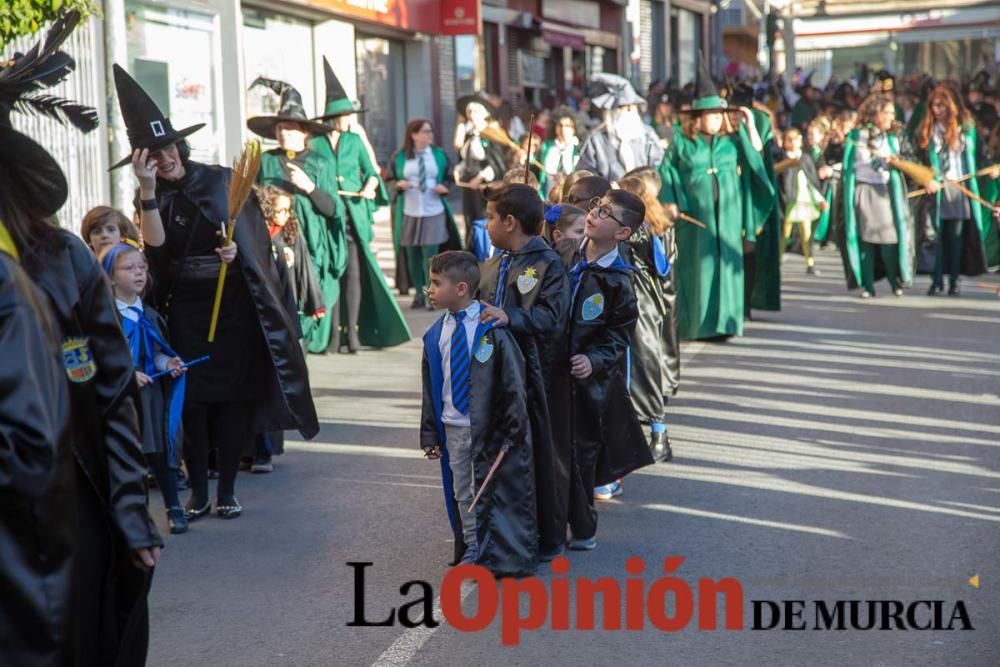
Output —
(659, 445)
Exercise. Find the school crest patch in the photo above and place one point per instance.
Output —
(593, 306)
(484, 350)
(527, 280)
(79, 363)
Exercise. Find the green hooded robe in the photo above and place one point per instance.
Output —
(710, 261)
(381, 323)
(324, 237)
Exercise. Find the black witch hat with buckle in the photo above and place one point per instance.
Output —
(32, 167)
(290, 110)
(146, 125)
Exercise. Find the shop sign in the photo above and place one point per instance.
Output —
(435, 17)
(460, 17)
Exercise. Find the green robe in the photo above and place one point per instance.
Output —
(710, 261)
(989, 189)
(981, 216)
(454, 241)
(324, 237)
(901, 214)
(766, 293)
(381, 323)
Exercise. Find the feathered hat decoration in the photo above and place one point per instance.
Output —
(21, 79)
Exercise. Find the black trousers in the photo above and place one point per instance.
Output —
(227, 426)
(350, 290)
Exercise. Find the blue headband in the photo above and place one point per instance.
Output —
(110, 256)
(552, 214)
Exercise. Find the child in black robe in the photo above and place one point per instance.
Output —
(475, 415)
(526, 289)
(608, 441)
(162, 398)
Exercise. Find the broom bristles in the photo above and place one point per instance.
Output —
(245, 169)
(918, 173)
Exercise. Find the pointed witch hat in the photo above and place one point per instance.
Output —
(337, 102)
(145, 124)
(33, 169)
(706, 94)
(610, 91)
(290, 109)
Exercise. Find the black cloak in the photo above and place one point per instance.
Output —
(111, 495)
(655, 359)
(284, 402)
(505, 515)
(38, 523)
(608, 442)
(536, 300)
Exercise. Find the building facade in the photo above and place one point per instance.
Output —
(401, 59)
(943, 38)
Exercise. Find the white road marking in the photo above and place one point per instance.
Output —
(402, 650)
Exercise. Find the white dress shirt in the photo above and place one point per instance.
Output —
(449, 415)
(424, 203)
(125, 310)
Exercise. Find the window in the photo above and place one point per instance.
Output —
(172, 55)
(277, 47)
(382, 92)
(466, 65)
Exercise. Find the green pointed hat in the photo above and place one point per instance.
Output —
(706, 94)
(337, 102)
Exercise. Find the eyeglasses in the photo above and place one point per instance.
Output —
(131, 268)
(603, 210)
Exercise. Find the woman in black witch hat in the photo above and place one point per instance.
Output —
(296, 168)
(90, 516)
(256, 379)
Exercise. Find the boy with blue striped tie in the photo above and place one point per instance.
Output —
(475, 420)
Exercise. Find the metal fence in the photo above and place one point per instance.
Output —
(83, 158)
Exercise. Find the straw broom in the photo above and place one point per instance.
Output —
(244, 176)
(982, 172)
(924, 176)
(498, 136)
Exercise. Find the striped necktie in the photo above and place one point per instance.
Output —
(422, 171)
(501, 290)
(460, 365)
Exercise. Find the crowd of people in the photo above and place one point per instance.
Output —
(168, 347)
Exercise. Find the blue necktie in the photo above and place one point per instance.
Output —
(501, 290)
(576, 273)
(460, 366)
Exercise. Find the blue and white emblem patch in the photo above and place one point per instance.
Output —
(79, 363)
(593, 306)
(484, 350)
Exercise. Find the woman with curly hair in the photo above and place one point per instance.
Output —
(946, 142)
(289, 245)
(877, 220)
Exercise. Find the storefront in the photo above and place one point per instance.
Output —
(945, 43)
(539, 52)
(173, 52)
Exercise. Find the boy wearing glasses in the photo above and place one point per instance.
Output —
(525, 288)
(607, 438)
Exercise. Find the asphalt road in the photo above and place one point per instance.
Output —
(841, 450)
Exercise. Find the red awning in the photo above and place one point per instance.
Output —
(559, 38)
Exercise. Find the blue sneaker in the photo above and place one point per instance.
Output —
(606, 492)
(585, 544)
(616, 489)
